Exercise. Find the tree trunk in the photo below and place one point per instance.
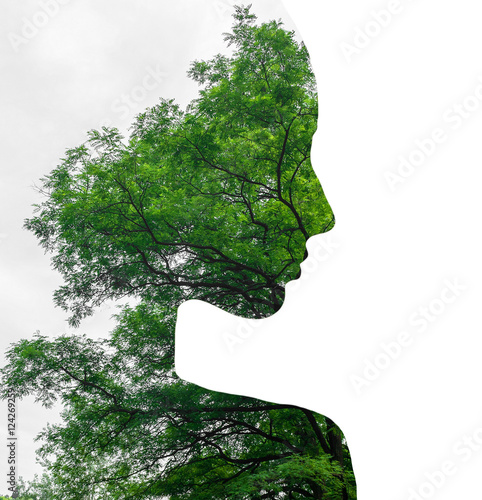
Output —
(336, 446)
(317, 490)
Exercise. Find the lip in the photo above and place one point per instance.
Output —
(299, 269)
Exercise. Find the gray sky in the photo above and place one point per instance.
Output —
(67, 68)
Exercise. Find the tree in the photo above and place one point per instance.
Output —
(135, 430)
(38, 489)
(216, 203)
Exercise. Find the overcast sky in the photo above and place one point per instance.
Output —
(67, 69)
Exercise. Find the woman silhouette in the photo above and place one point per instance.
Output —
(214, 203)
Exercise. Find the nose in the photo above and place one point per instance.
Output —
(322, 217)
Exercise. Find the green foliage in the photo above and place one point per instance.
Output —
(132, 429)
(38, 489)
(216, 203)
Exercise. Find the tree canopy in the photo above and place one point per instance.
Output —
(134, 430)
(214, 202)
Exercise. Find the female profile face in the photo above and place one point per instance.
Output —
(214, 202)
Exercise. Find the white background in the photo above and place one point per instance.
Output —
(389, 255)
